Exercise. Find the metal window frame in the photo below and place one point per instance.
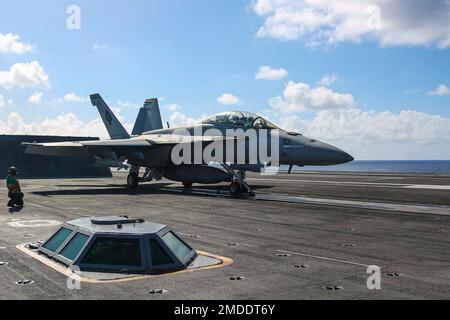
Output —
(73, 235)
(57, 253)
(54, 254)
(109, 267)
(188, 258)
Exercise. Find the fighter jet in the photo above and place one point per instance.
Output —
(154, 149)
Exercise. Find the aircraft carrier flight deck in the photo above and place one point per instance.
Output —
(307, 235)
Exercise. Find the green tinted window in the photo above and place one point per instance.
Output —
(159, 256)
(58, 238)
(112, 251)
(176, 245)
(73, 248)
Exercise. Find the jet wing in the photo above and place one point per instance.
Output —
(121, 147)
(56, 149)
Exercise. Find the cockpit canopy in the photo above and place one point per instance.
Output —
(240, 119)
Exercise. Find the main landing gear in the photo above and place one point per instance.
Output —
(187, 184)
(133, 178)
(238, 184)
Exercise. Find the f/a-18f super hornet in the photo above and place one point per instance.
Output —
(158, 150)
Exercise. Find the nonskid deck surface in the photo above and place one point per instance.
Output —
(300, 236)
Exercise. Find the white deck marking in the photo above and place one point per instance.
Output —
(361, 183)
(427, 186)
(423, 209)
(34, 223)
(439, 210)
(326, 258)
(28, 203)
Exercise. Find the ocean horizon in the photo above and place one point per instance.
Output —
(384, 166)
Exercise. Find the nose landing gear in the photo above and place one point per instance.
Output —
(236, 188)
(238, 184)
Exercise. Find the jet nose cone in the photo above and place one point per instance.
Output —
(324, 154)
(346, 157)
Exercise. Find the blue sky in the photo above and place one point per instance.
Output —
(190, 52)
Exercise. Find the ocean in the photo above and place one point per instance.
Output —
(387, 166)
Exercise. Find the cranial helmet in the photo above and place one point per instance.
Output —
(12, 170)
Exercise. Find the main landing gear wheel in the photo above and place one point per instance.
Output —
(235, 188)
(187, 184)
(132, 180)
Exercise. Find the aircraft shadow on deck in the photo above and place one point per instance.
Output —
(154, 188)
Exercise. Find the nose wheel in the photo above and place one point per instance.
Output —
(132, 180)
(235, 188)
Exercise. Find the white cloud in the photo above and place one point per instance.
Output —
(441, 90)
(116, 110)
(328, 22)
(36, 98)
(178, 119)
(228, 99)
(22, 75)
(66, 124)
(98, 46)
(267, 73)
(328, 80)
(360, 125)
(10, 43)
(2, 102)
(408, 134)
(172, 107)
(125, 104)
(301, 97)
(72, 97)
(375, 135)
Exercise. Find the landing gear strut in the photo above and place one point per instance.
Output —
(187, 184)
(238, 185)
(132, 180)
(133, 177)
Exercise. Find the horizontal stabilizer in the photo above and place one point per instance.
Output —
(56, 149)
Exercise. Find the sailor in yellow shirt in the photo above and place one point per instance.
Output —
(14, 191)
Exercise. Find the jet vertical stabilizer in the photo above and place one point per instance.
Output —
(149, 117)
(112, 124)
